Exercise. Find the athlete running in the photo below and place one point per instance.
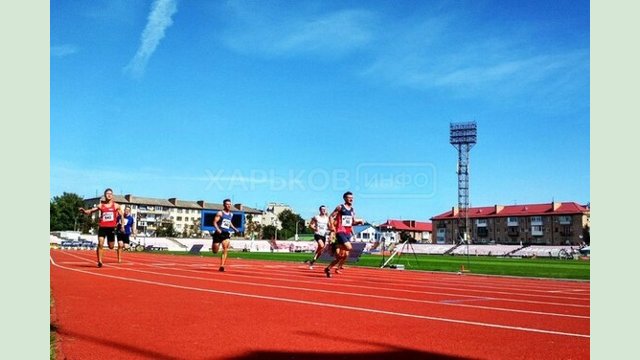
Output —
(224, 227)
(109, 212)
(341, 221)
(320, 226)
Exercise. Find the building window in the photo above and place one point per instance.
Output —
(565, 220)
(179, 218)
(536, 230)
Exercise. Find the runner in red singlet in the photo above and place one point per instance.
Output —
(109, 211)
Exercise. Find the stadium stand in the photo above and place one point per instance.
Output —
(550, 251)
(431, 249)
(485, 250)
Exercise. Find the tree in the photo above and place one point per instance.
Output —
(195, 228)
(288, 219)
(268, 232)
(64, 214)
(252, 228)
(586, 234)
(166, 229)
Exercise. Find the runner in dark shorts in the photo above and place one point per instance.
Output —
(224, 227)
(220, 237)
(320, 226)
(109, 210)
(342, 219)
(107, 232)
(126, 228)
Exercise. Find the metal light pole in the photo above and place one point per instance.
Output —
(463, 136)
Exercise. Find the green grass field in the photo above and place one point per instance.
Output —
(542, 268)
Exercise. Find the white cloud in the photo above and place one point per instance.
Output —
(438, 54)
(329, 35)
(63, 50)
(158, 21)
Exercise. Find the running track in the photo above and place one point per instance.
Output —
(155, 306)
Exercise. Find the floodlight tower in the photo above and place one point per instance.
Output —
(463, 137)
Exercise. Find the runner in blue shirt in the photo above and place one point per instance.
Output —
(224, 228)
(126, 228)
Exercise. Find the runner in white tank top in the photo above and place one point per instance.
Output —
(320, 226)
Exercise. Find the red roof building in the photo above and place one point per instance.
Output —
(549, 224)
(419, 230)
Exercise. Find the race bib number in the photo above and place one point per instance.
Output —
(226, 224)
(322, 228)
(108, 216)
(347, 220)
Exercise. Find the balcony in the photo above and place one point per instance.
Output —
(536, 231)
(513, 231)
(512, 221)
(158, 212)
(536, 220)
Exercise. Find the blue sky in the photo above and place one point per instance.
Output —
(299, 101)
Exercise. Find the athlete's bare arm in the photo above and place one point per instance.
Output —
(88, 212)
(332, 219)
(119, 209)
(357, 221)
(215, 221)
(313, 224)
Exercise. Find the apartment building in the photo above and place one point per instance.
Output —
(556, 223)
(149, 213)
(270, 215)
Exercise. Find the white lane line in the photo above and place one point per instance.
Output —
(377, 288)
(315, 304)
(466, 286)
(458, 303)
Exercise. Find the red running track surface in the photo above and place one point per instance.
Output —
(155, 306)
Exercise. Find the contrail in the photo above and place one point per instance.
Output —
(159, 20)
